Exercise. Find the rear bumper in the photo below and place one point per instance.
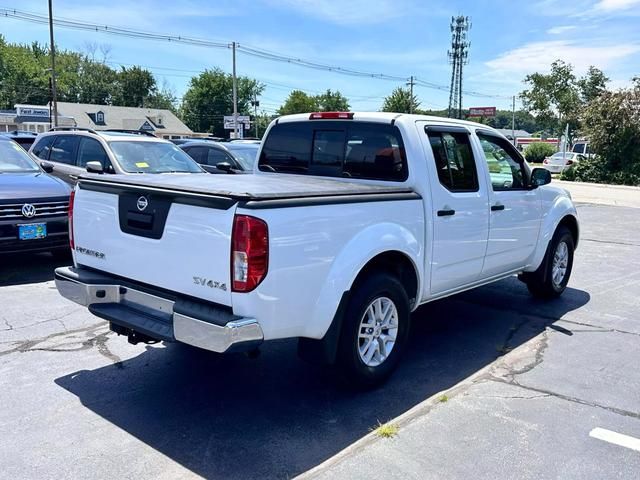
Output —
(159, 315)
(554, 168)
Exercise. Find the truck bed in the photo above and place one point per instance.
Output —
(246, 187)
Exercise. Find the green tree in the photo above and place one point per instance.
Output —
(537, 152)
(163, 98)
(401, 101)
(593, 84)
(135, 85)
(210, 97)
(553, 98)
(299, 102)
(23, 76)
(332, 102)
(612, 125)
(96, 83)
(523, 121)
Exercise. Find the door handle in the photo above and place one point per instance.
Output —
(446, 213)
(495, 208)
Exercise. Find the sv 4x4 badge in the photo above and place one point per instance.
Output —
(210, 283)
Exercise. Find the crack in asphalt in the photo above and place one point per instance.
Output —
(510, 372)
(569, 398)
(98, 340)
(516, 397)
(601, 328)
(612, 242)
(55, 319)
(6, 322)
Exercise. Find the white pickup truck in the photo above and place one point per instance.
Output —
(350, 222)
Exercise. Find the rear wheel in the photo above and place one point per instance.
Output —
(375, 330)
(551, 278)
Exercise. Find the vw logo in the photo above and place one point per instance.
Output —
(28, 210)
(141, 204)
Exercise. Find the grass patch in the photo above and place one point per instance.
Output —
(386, 430)
(443, 398)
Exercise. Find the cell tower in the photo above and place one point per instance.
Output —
(458, 56)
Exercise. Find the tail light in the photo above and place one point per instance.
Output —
(249, 253)
(545, 161)
(71, 199)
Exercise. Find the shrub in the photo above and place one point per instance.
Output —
(597, 170)
(537, 152)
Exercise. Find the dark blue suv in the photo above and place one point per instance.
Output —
(33, 204)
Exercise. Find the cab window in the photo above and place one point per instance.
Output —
(454, 160)
(506, 168)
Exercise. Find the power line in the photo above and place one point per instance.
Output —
(244, 49)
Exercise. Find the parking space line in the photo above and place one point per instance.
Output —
(616, 438)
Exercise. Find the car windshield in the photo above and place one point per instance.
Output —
(152, 157)
(13, 158)
(245, 154)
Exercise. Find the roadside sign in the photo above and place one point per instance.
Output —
(244, 120)
(482, 111)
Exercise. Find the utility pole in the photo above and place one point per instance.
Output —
(52, 50)
(411, 83)
(235, 93)
(513, 121)
(256, 103)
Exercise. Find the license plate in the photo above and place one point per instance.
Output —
(32, 231)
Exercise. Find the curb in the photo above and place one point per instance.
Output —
(422, 408)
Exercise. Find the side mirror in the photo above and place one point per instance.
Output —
(539, 177)
(94, 167)
(225, 167)
(47, 167)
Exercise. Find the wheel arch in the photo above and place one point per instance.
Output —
(561, 212)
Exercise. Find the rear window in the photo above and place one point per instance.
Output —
(364, 150)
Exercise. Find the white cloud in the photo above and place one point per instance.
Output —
(561, 29)
(348, 12)
(615, 5)
(537, 56)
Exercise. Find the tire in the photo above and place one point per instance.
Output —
(361, 349)
(552, 276)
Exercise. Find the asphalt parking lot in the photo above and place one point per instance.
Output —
(526, 383)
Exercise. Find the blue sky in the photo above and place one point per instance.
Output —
(509, 39)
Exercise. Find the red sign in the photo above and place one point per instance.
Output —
(482, 111)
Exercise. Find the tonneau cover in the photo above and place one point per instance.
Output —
(247, 187)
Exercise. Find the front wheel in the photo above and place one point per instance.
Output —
(375, 330)
(551, 278)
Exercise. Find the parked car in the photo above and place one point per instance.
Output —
(232, 157)
(33, 204)
(182, 141)
(557, 162)
(74, 151)
(22, 137)
(383, 213)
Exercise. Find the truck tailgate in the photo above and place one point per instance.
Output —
(173, 241)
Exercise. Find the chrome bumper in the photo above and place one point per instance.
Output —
(101, 293)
